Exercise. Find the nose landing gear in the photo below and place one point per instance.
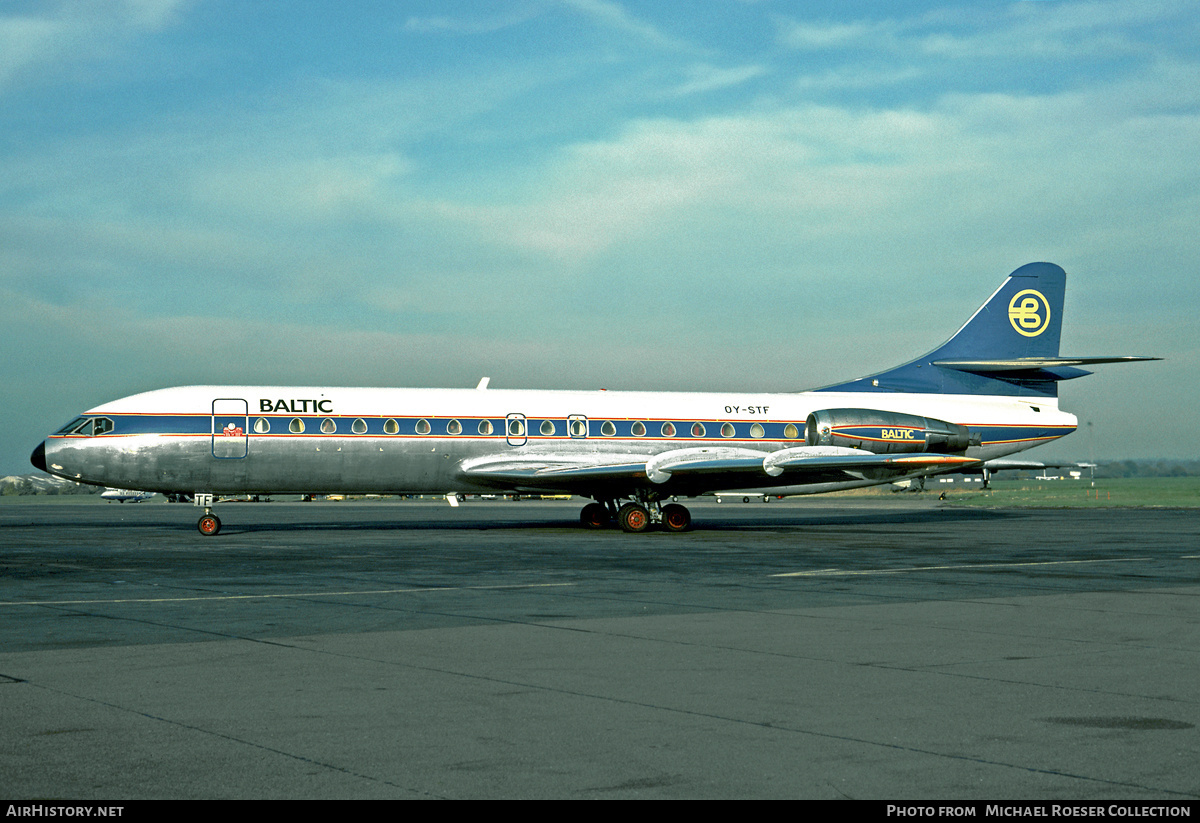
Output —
(208, 524)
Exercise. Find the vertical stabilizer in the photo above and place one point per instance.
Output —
(1006, 348)
(1022, 319)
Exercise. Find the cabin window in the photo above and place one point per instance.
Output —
(638, 429)
(578, 427)
(790, 431)
(697, 430)
(453, 427)
(328, 426)
(485, 426)
(262, 425)
(359, 426)
(516, 427)
(547, 428)
(727, 430)
(391, 426)
(423, 426)
(668, 429)
(757, 430)
(608, 429)
(296, 426)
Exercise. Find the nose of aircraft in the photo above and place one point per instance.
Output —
(38, 458)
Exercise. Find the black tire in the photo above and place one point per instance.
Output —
(633, 518)
(594, 516)
(209, 525)
(676, 518)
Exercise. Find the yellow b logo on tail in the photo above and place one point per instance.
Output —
(1029, 313)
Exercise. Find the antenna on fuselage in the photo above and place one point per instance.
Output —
(483, 383)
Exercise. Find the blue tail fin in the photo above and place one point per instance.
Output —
(1008, 347)
(1022, 320)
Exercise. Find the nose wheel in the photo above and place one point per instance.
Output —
(209, 524)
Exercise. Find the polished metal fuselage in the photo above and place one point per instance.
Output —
(186, 440)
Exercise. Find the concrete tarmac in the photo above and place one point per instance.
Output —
(876, 647)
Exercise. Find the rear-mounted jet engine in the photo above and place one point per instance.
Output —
(884, 432)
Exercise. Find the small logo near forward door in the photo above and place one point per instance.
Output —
(229, 426)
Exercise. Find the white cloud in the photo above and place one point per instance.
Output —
(1105, 30)
(805, 35)
(614, 16)
(70, 32)
(705, 78)
(481, 24)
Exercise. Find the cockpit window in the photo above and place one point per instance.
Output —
(87, 426)
(71, 427)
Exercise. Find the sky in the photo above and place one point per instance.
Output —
(700, 195)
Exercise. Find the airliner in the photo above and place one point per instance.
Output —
(122, 495)
(991, 390)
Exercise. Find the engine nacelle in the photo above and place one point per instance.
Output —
(884, 432)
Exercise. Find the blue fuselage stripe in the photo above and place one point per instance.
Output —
(412, 426)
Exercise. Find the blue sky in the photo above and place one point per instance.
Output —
(716, 194)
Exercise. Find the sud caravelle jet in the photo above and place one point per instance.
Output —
(989, 391)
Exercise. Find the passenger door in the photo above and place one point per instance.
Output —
(230, 426)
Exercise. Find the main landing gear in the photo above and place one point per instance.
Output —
(636, 516)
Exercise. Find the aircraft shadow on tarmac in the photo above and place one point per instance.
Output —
(727, 522)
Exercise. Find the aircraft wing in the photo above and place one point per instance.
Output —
(699, 470)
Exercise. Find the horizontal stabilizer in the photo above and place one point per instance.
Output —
(1009, 347)
(1033, 363)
